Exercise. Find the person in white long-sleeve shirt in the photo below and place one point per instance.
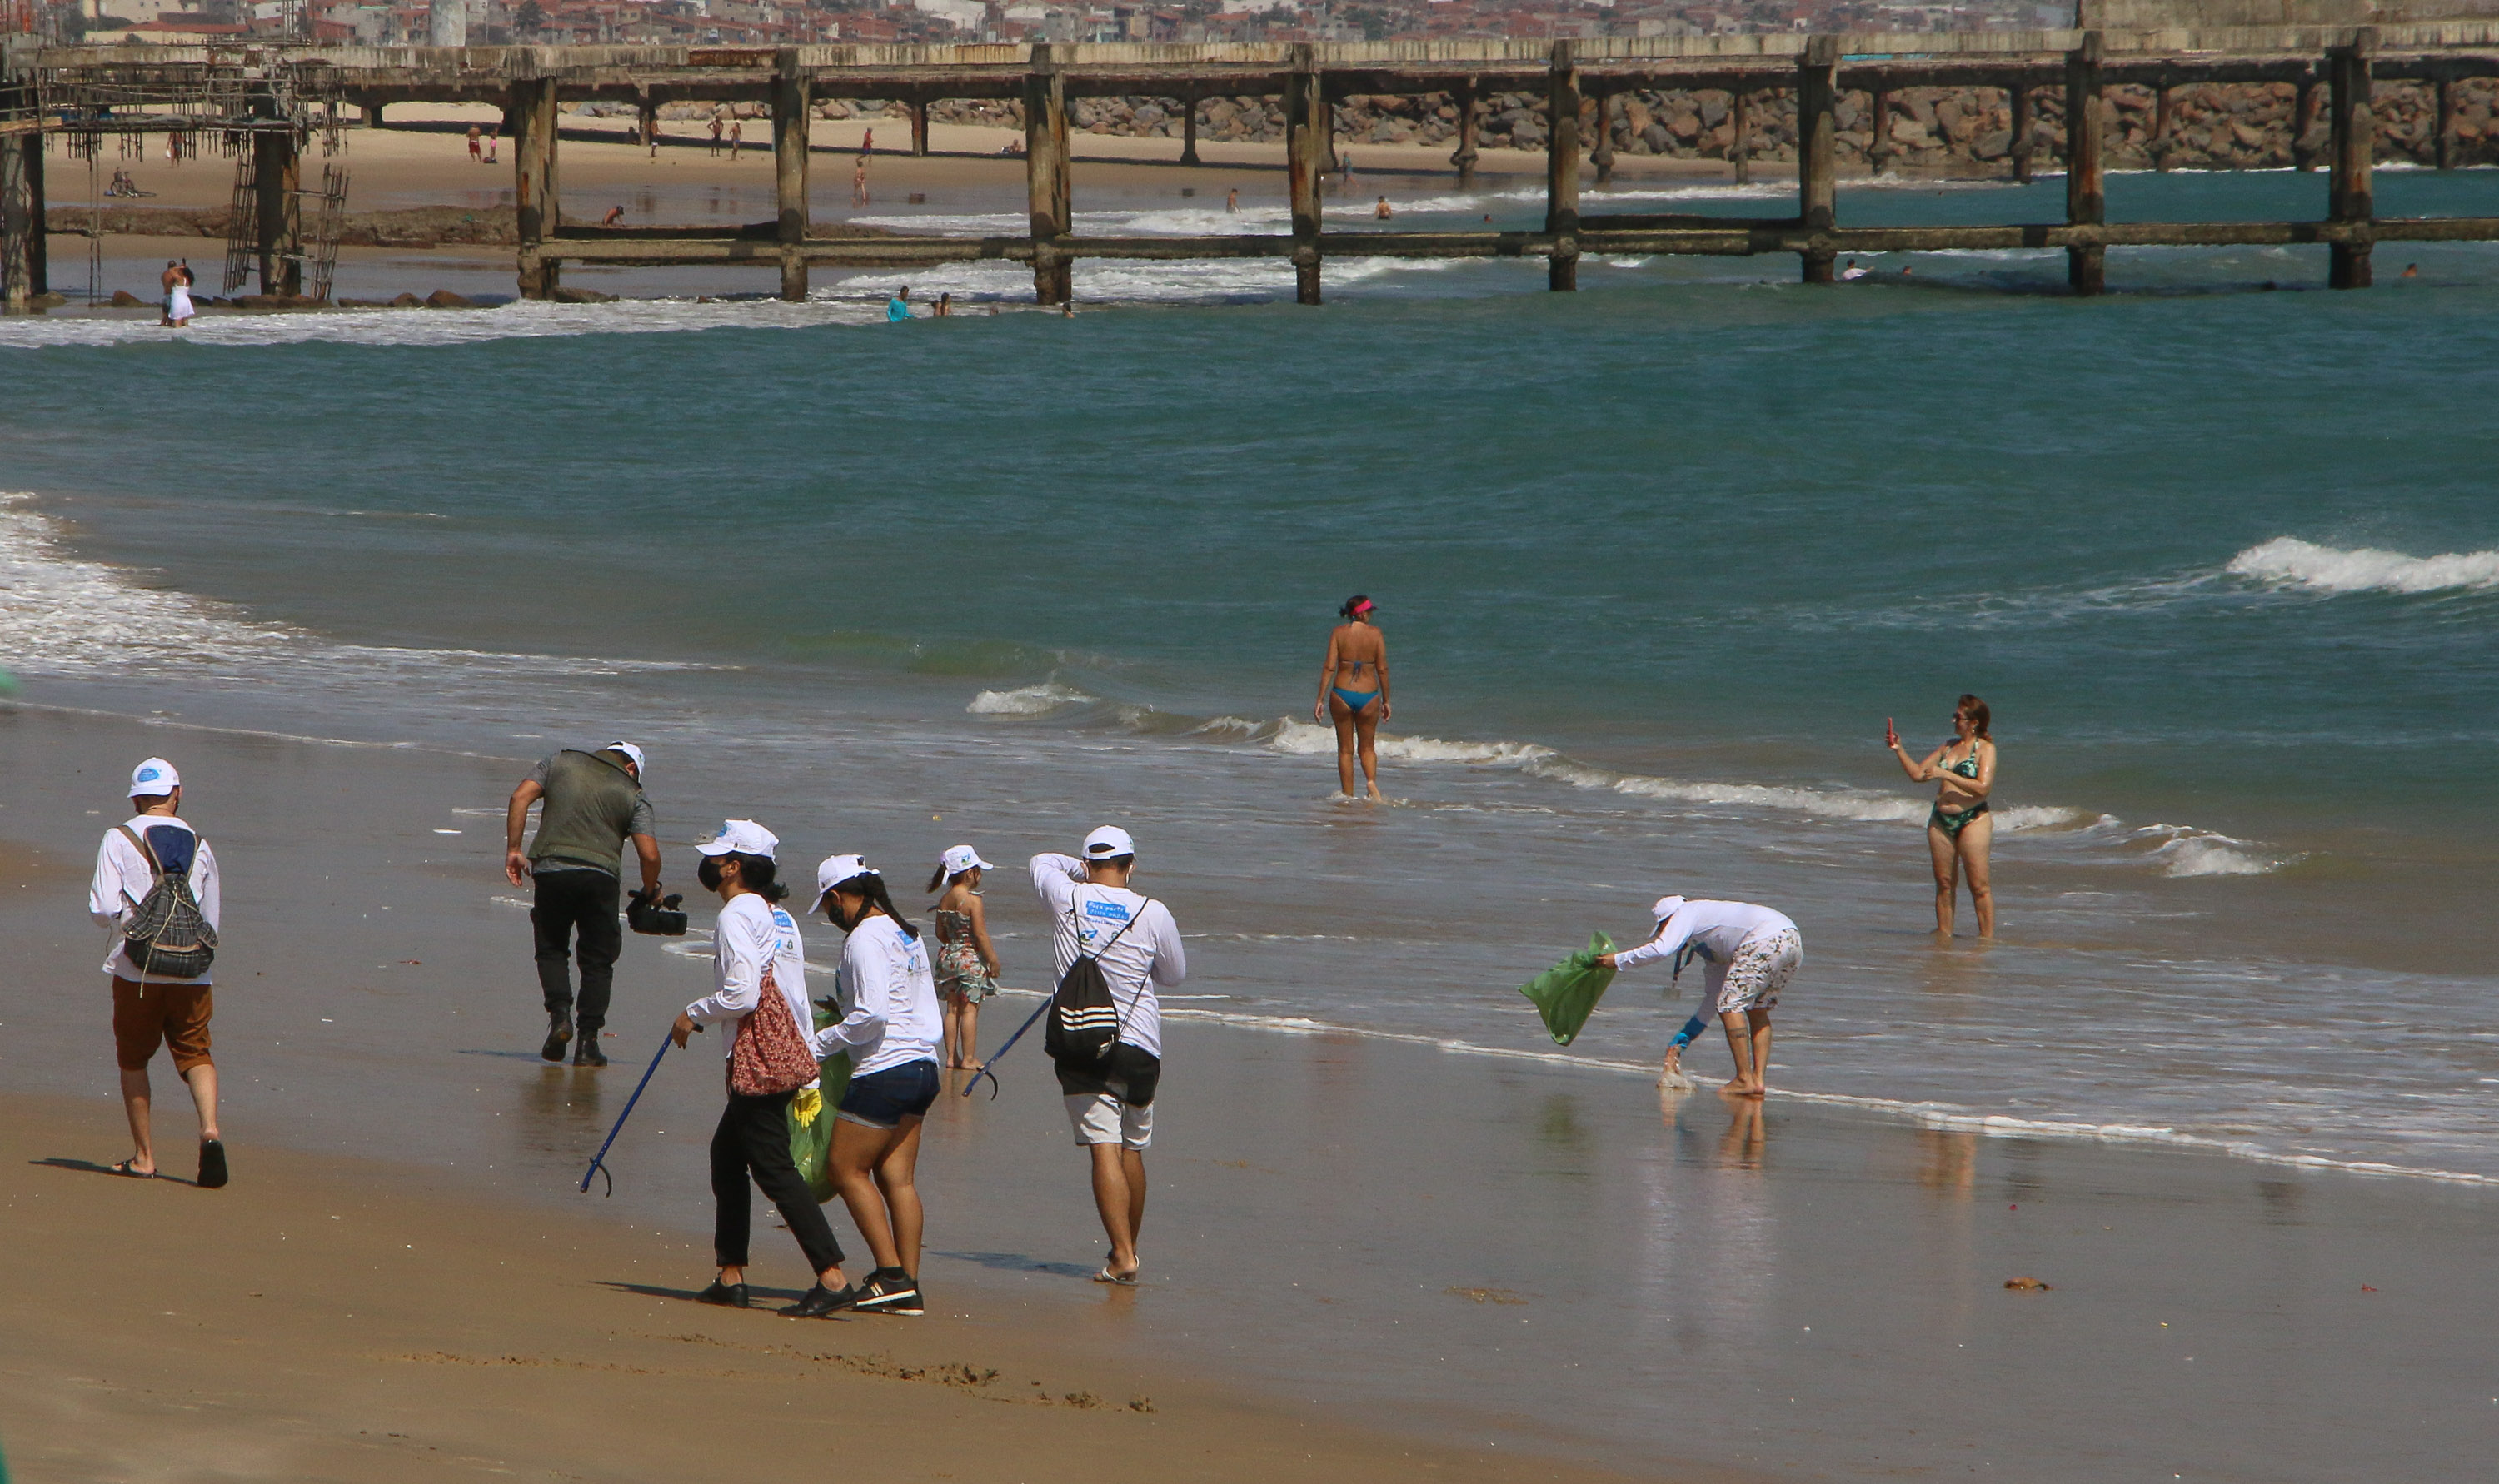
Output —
(149, 1008)
(756, 949)
(889, 1025)
(1111, 1107)
(1750, 952)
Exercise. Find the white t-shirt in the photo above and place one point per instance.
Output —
(887, 998)
(1087, 915)
(122, 880)
(1716, 928)
(751, 936)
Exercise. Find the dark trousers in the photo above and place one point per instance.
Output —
(580, 903)
(754, 1134)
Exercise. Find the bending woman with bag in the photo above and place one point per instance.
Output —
(759, 973)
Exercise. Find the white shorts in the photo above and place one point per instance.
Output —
(1761, 967)
(1101, 1119)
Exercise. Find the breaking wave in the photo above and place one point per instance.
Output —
(2286, 561)
(1028, 700)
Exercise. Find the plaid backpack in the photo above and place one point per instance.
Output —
(166, 932)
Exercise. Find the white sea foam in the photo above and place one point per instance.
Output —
(2185, 851)
(2291, 563)
(443, 326)
(1028, 700)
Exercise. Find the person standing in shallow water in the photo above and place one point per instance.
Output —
(967, 962)
(1958, 830)
(1353, 692)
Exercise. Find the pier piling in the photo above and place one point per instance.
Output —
(2024, 132)
(1562, 168)
(2303, 123)
(538, 214)
(1603, 154)
(918, 106)
(2085, 131)
(1048, 188)
(1307, 126)
(1878, 150)
(276, 175)
(17, 224)
(1466, 154)
(1817, 94)
(2348, 197)
(790, 118)
(1188, 99)
(2445, 124)
(1740, 149)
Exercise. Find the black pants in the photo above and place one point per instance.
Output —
(583, 903)
(753, 1134)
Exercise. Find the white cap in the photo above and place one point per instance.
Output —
(1108, 841)
(1664, 907)
(632, 752)
(741, 837)
(153, 779)
(834, 870)
(959, 858)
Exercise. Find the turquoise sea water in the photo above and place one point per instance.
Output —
(1655, 562)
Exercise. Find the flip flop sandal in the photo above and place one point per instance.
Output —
(213, 1164)
(1106, 1276)
(125, 1168)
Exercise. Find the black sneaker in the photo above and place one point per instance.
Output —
(588, 1053)
(559, 1031)
(726, 1295)
(890, 1291)
(820, 1302)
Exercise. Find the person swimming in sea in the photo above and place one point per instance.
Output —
(1958, 830)
(1353, 692)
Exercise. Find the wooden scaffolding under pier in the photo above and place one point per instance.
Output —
(1578, 80)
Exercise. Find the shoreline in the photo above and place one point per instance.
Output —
(1348, 1228)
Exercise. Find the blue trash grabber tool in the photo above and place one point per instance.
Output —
(598, 1161)
(1003, 1050)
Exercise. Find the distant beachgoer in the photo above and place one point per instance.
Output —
(715, 133)
(142, 868)
(945, 306)
(867, 143)
(615, 217)
(967, 962)
(889, 1025)
(1383, 210)
(1067, 308)
(1347, 694)
(1905, 270)
(858, 182)
(1958, 830)
(756, 950)
(2411, 270)
(1110, 1103)
(494, 138)
(1232, 201)
(169, 280)
(898, 307)
(476, 144)
(179, 309)
(736, 136)
(1750, 953)
(1851, 272)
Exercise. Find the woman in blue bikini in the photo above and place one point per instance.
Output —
(1958, 827)
(1353, 689)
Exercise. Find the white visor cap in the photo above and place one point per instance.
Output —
(961, 858)
(632, 752)
(834, 870)
(1664, 907)
(153, 779)
(741, 837)
(1108, 842)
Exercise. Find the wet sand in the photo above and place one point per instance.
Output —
(1390, 1244)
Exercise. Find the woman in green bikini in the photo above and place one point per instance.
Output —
(1958, 829)
(1354, 691)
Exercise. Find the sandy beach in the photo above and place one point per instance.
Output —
(1368, 1256)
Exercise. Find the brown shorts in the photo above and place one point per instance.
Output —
(146, 1017)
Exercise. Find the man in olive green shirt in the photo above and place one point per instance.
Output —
(592, 804)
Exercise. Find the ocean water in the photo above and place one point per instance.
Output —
(1655, 560)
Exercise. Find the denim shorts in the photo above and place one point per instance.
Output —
(883, 1099)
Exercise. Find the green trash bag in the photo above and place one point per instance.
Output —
(811, 1116)
(1566, 992)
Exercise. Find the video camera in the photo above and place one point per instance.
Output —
(647, 912)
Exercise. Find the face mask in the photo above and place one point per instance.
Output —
(709, 874)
